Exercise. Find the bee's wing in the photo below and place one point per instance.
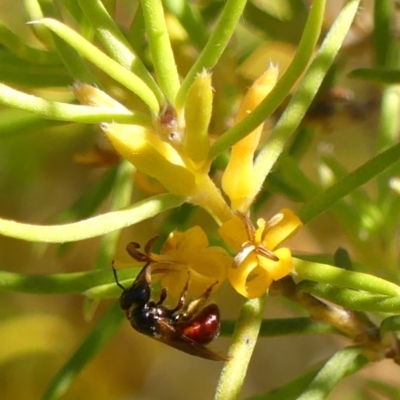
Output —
(183, 343)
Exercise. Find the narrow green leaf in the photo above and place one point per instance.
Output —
(115, 42)
(285, 31)
(90, 347)
(385, 45)
(19, 72)
(102, 61)
(280, 91)
(352, 299)
(90, 200)
(379, 75)
(340, 277)
(67, 283)
(160, 48)
(191, 20)
(301, 100)
(94, 226)
(214, 48)
(33, 11)
(121, 196)
(352, 181)
(15, 122)
(68, 112)
(290, 390)
(387, 390)
(87, 204)
(283, 327)
(390, 324)
(22, 50)
(342, 363)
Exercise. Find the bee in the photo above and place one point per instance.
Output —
(188, 327)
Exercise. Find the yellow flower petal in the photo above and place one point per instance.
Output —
(233, 232)
(278, 269)
(287, 224)
(152, 156)
(185, 245)
(256, 263)
(237, 181)
(186, 255)
(249, 279)
(148, 184)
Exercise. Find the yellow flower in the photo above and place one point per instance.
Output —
(153, 156)
(257, 263)
(174, 149)
(238, 178)
(186, 255)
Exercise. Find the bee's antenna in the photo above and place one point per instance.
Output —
(116, 276)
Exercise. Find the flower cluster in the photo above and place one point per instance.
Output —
(174, 151)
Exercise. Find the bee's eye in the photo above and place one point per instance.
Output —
(137, 295)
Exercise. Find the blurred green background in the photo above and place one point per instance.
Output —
(39, 179)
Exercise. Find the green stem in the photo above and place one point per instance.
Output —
(91, 227)
(282, 88)
(301, 100)
(215, 46)
(354, 180)
(160, 48)
(243, 342)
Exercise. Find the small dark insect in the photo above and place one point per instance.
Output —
(187, 327)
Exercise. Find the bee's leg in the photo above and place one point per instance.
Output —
(193, 307)
(163, 296)
(183, 296)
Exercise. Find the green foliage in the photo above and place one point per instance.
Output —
(148, 61)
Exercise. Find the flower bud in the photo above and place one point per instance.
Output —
(198, 111)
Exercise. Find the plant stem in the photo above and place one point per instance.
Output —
(209, 197)
(243, 342)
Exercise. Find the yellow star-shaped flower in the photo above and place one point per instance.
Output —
(187, 255)
(257, 263)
